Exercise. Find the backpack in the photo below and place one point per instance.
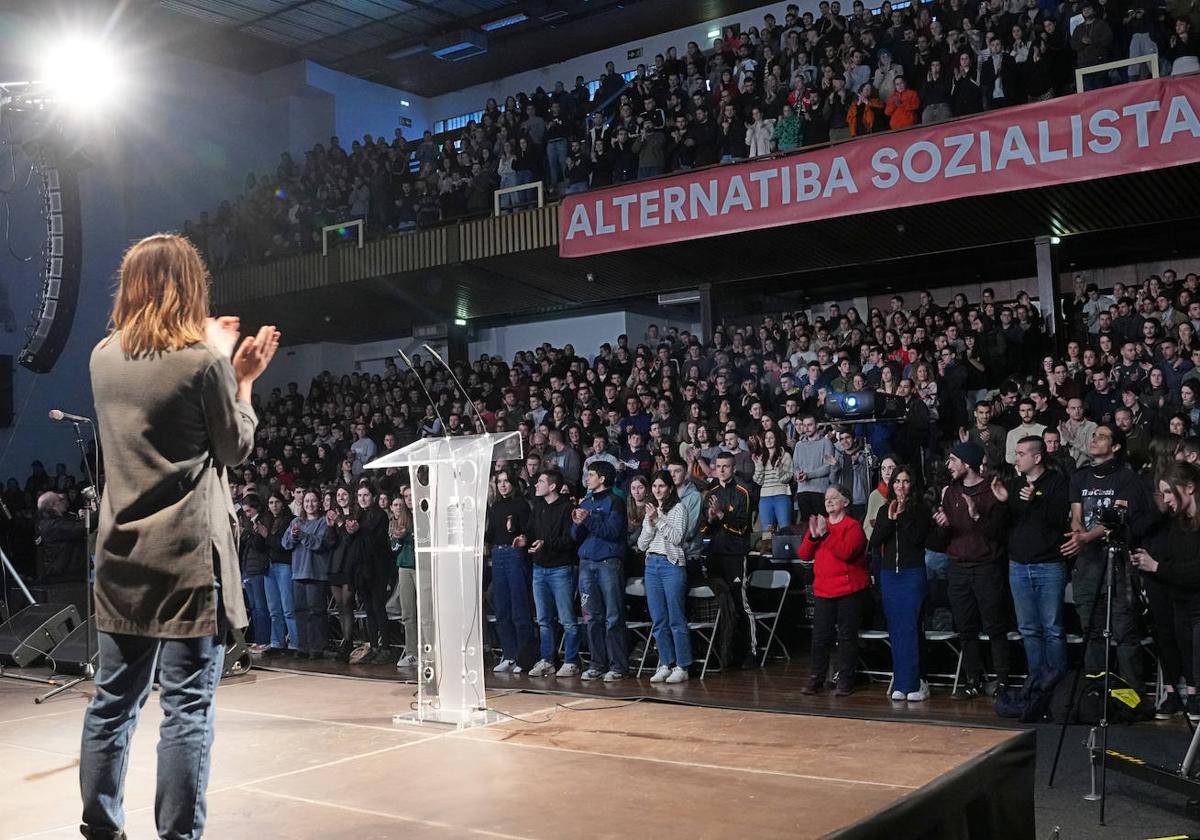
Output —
(1030, 702)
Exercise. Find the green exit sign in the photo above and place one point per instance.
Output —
(630, 55)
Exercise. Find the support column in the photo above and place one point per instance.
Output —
(1047, 291)
(706, 313)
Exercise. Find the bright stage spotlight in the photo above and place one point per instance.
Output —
(81, 73)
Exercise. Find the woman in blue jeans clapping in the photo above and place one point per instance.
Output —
(663, 532)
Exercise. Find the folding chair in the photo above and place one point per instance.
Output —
(947, 638)
(636, 588)
(706, 630)
(877, 673)
(771, 581)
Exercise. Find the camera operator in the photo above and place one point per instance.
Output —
(1177, 567)
(1097, 492)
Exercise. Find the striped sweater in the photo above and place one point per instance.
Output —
(666, 535)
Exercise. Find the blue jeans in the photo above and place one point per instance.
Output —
(774, 510)
(666, 595)
(188, 673)
(1037, 591)
(556, 161)
(602, 594)
(281, 606)
(508, 179)
(554, 597)
(903, 596)
(937, 565)
(255, 587)
(510, 600)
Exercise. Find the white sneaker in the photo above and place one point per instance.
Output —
(613, 676)
(920, 695)
(516, 669)
(678, 675)
(569, 669)
(542, 669)
(661, 674)
(591, 674)
(898, 695)
(408, 660)
(503, 666)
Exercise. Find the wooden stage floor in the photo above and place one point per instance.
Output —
(313, 756)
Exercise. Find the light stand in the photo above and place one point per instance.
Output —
(90, 496)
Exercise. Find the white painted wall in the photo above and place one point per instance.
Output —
(591, 66)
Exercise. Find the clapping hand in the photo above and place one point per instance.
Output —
(579, 516)
(998, 489)
(939, 517)
(520, 541)
(651, 514)
(895, 508)
(1027, 492)
(831, 460)
(818, 526)
(537, 546)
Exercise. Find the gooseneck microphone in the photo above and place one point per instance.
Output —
(56, 414)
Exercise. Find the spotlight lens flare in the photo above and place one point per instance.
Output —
(81, 72)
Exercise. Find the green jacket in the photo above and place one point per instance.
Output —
(405, 550)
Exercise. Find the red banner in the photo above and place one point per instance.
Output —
(1115, 131)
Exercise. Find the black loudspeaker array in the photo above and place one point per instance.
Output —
(61, 270)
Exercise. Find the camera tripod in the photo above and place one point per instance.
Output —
(1177, 779)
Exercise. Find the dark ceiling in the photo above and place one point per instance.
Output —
(356, 36)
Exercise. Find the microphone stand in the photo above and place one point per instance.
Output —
(89, 670)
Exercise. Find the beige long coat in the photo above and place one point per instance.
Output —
(169, 425)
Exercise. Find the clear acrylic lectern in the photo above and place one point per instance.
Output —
(449, 478)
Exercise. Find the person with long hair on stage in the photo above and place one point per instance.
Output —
(900, 532)
(838, 546)
(309, 540)
(402, 541)
(1176, 568)
(173, 390)
(663, 536)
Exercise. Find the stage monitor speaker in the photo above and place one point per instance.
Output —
(71, 654)
(35, 631)
(237, 655)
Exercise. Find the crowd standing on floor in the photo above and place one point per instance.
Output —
(802, 81)
(672, 459)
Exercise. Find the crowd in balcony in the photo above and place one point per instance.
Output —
(671, 458)
(806, 80)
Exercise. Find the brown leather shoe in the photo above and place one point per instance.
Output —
(814, 685)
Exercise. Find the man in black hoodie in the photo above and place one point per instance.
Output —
(555, 564)
(1038, 508)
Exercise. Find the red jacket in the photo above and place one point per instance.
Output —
(841, 559)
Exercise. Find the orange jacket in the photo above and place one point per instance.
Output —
(872, 118)
(902, 108)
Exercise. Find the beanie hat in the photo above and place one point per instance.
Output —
(970, 454)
